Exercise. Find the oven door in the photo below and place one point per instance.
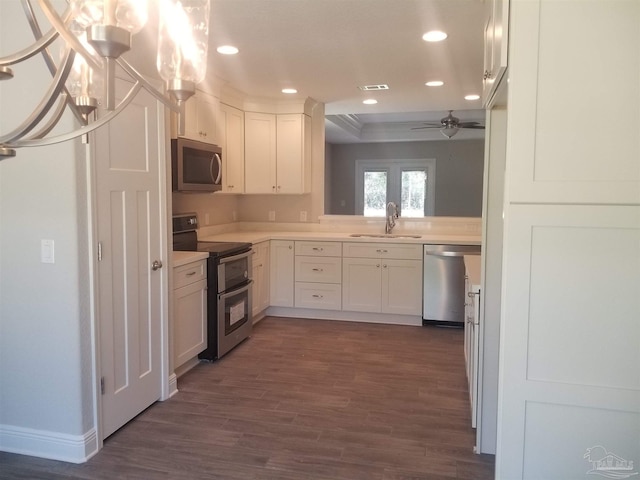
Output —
(234, 317)
(234, 271)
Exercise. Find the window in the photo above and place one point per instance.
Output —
(410, 184)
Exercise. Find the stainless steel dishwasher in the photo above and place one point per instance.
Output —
(443, 298)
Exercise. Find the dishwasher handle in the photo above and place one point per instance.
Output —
(448, 254)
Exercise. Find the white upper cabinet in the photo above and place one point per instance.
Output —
(201, 118)
(260, 152)
(231, 134)
(574, 103)
(277, 153)
(495, 47)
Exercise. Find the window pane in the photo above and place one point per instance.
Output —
(375, 193)
(414, 189)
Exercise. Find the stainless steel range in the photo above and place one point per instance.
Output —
(229, 286)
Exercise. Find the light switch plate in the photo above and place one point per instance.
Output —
(47, 252)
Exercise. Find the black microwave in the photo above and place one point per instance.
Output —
(195, 166)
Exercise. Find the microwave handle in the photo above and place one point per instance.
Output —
(216, 181)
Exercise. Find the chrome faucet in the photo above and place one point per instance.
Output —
(392, 214)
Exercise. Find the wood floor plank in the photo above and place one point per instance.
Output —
(301, 400)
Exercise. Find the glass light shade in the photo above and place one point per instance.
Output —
(131, 15)
(183, 39)
(83, 81)
(449, 131)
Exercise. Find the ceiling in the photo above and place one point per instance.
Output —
(326, 49)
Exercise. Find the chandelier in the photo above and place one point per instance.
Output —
(95, 34)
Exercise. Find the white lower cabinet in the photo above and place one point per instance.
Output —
(281, 273)
(318, 275)
(260, 276)
(471, 344)
(189, 311)
(382, 278)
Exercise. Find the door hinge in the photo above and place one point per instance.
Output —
(99, 251)
(102, 385)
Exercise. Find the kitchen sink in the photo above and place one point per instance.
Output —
(383, 235)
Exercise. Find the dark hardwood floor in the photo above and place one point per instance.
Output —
(301, 399)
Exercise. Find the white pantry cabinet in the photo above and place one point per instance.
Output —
(277, 153)
(281, 260)
(260, 276)
(189, 311)
(231, 134)
(201, 118)
(382, 278)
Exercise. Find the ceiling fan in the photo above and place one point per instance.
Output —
(450, 125)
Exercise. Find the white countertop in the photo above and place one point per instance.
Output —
(182, 258)
(263, 236)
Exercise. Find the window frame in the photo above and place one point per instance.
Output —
(394, 169)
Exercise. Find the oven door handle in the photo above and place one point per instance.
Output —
(233, 258)
(231, 293)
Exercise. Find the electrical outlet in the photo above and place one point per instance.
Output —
(303, 216)
(272, 215)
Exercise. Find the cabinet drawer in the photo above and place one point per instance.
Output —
(408, 251)
(189, 273)
(318, 269)
(319, 249)
(326, 296)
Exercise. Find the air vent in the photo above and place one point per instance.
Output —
(368, 88)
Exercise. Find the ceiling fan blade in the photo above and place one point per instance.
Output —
(477, 127)
(468, 124)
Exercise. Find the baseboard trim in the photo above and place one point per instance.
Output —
(391, 319)
(46, 444)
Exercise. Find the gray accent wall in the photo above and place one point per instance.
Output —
(459, 173)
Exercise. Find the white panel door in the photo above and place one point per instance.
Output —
(402, 287)
(361, 284)
(281, 273)
(570, 340)
(576, 135)
(127, 159)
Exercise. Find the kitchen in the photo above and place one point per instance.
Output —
(65, 294)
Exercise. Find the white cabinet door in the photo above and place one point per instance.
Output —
(587, 163)
(361, 283)
(260, 152)
(293, 153)
(189, 321)
(201, 112)
(260, 277)
(231, 131)
(401, 287)
(495, 47)
(281, 273)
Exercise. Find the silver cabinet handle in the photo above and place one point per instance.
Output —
(190, 274)
(318, 270)
(318, 249)
(156, 265)
(317, 296)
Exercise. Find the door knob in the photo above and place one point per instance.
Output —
(156, 265)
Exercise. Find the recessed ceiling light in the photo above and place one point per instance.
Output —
(370, 101)
(289, 90)
(472, 97)
(434, 36)
(227, 50)
(435, 83)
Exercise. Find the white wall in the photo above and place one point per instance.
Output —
(45, 325)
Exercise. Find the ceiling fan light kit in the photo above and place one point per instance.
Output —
(450, 125)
